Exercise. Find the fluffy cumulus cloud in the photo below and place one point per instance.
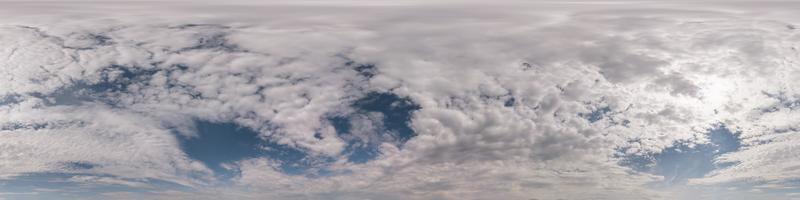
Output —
(399, 100)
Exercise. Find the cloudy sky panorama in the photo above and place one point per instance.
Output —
(400, 99)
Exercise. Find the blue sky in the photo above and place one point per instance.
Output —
(399, 100)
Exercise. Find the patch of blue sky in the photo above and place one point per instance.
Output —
(595, 115)
(115, 79)
(396, 113)
(219, 143)
(684, 160)
(510, 102)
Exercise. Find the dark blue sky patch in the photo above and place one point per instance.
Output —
(117, 78)
(220, 143)
(294, 161)
(683, 161)
(357, 151)
(510, 102)
(114, 79)
(595, 115)
(343, 127)
(360, 152)
(366, 70)
(395, 114)
(340, 123)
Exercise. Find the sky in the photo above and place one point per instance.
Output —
(394, 99)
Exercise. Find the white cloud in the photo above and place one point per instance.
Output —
(505, 91)
(92, 139)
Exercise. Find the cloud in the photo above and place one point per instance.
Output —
(515, 100)
(94, 140)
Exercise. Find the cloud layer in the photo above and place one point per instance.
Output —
(402, 100)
